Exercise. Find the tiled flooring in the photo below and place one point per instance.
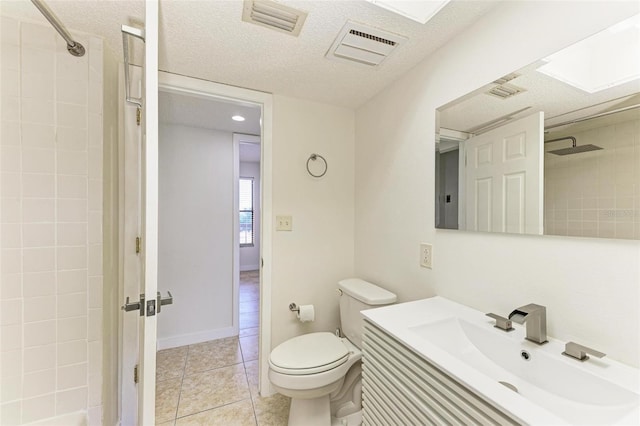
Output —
(216, 382)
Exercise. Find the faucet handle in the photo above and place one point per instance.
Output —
(501, 322)
(580, 352)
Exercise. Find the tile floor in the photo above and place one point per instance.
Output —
(216, 382)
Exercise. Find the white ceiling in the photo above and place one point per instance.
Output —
(559, 101)
(194, 111)
(208, 40)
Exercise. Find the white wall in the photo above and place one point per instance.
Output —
(51, 215)
(309, 261)
(195, 234)
(591, 287)
(250, 256)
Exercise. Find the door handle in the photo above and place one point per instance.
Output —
(164, 301)
(133, 306)
(151, 305)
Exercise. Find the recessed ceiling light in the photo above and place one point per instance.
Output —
(606, 59)
(420, 11)
(237, 118)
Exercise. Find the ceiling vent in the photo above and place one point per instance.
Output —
(507, 78)
(274, 15)
(364, 45)
(505, 91)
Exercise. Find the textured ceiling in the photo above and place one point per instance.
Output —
(559, 101)
(208, 40)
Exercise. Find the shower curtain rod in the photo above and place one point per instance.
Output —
(75, 48)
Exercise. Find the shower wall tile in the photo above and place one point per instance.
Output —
(9, 133)
(39, 284)
(10, 83)
(36, 160)
(70, 115)
(39, 308)
(36, 35)
(37, 61)
(39, 333)
(72, 281)
(51, 180)
(38, 408)
(38, 185)
(73, 352)
(72, 186)
(10, 57)
(10, 108)
(72, 329)
(72, 91)
(72, 162)
(9, 31)
(39, 358)
(38, 85)
(71, 400)
(10, 286)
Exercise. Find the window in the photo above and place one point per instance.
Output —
(246, 212)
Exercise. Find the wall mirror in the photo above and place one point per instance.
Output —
(552, 148)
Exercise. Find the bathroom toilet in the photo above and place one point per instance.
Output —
(321, 372)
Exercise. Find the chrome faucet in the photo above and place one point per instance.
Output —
(535, 317)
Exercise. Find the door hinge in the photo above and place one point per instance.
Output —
(138, 243)
(138, 115)
(135, 374)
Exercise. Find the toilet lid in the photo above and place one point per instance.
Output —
(308, 354)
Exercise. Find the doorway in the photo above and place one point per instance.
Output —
(261, 102)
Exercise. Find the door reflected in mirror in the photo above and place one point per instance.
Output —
(548, 148)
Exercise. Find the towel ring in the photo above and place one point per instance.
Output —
(314, 157)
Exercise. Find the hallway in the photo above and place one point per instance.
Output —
(216, 382)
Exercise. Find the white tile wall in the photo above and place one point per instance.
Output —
(597, 193)
(50, 226)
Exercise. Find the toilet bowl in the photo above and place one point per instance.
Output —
(311, 368)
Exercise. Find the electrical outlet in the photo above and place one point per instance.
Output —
(426, 254)
(284, 223)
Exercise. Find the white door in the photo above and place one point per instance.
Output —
(149, 207)
(504, 178)
(131, 264)
(146, 320)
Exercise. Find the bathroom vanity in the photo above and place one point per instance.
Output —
(434, 361)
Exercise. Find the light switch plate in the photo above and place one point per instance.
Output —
(284, 223)
(426, 254)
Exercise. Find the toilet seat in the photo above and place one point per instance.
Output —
(309, 354)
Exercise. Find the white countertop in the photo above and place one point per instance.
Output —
(398, 320)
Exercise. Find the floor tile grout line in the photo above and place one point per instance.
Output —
(253, 405)
(184, 367)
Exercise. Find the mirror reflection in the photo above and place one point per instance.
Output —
(552, 148)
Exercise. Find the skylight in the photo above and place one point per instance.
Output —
(604, 60)
(420, 11)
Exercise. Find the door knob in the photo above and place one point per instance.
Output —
(133, 306)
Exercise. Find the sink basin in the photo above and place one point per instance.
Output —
(561, 385)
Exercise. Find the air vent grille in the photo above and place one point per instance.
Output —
(372, 37)
(505, 91)
(363, 45)
(273, 15)
(507, 78)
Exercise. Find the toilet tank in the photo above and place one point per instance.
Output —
(358, 295)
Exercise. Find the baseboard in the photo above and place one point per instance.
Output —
(245, 268)
(193, 338)
(79, 418)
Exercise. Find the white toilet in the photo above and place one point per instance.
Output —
(320, 371)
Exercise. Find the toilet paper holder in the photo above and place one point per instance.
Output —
(293, 307)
